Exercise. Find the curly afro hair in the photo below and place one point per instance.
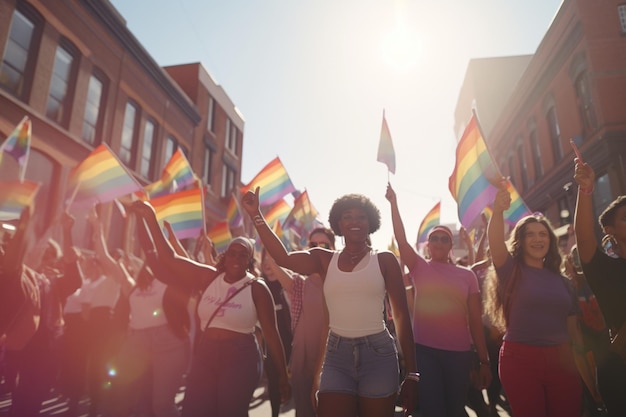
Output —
(354, 201)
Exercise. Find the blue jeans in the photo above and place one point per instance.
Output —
(223, 377)
(445, 378)
(365, 366)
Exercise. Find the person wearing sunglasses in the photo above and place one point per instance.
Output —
(447, 320)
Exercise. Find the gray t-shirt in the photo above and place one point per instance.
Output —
(541, 303)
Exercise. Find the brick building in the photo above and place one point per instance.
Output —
(76, 70)
(573, 86)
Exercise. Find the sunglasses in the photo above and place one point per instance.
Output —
(324, 245)
(443, 239)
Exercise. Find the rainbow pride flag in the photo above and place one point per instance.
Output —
(277, 212)
(17, 145)
(432, 219)
(176, 175)
(302, 214)
(15, 196)
(233, 213)
(386, 153)
(475, 179)
(100, 178)
(274, 182)
(220, 235)
(183, 210)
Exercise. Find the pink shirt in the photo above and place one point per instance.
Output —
(440, 316)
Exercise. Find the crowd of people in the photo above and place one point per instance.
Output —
(344, 332)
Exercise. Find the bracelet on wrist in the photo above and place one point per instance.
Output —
(586, 190)
(412, 376)
(258, 220)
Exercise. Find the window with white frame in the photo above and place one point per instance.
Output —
(146, 167)
(231, 137)
(228, 180)
(129, 133)
(523, 166)
(93, 104)
(58, 107)
(207, 166)
(18, 54)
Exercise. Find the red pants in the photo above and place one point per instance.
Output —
(540, 381)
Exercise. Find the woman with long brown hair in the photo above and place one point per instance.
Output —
(536, 306)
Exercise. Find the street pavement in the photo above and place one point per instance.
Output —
(259, 407)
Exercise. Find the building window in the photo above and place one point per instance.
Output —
(58, 108)
(585, 103)
(19, 55)
(171, 144)
(522, 164)
(207, 166)
(621, 12)
(228, 180)
(129, 133)
(231, 137)
(536, 150)
(210, 114)
(602, 195)
(93, 117)
(555, 134)
(146, 168)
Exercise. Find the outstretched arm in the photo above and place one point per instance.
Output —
(495, 229)
(583, 219)
(171, 237)
(407, 253)
(306, 262)
(175, 264)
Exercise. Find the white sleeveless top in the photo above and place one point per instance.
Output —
(146, 306)
(238, 315)
(355, 299)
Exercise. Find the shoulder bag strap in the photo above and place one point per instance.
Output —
(223, 303)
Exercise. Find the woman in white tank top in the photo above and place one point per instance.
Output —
(226, 365)
(359, 373)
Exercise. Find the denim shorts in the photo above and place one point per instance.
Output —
(364, 366)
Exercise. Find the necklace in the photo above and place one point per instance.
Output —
(354, 257)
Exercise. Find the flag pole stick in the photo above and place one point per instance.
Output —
(72, 197)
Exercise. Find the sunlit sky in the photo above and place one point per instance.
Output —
(312, 78)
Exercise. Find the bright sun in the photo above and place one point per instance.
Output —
(401, 47)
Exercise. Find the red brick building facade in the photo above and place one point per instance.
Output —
(574, 86)
(76, 70)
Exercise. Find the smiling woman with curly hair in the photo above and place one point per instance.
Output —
(359, 369)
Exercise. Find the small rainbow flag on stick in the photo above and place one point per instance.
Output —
(17, 145)
(278, 212)
(432, 219)
(386, 153)
(274, 182)
(15, 196)
(100, 178)
(220, 235)
(176, 175)
(183, 210)
(233, 213)
(475, 180)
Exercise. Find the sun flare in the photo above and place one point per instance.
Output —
(401, 47)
